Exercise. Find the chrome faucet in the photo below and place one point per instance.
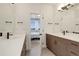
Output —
(63, 32)
(8, 35)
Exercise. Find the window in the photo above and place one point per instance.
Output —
(35, 24)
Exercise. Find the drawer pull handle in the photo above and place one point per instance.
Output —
(74, 44)
(73, 53)
(55, 42)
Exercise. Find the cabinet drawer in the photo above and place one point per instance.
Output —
(73, 52)
(76, 44)
(71, 44)
(73, 48)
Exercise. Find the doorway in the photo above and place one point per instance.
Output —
(35, 34)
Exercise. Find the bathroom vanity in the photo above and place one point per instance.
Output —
(23, 52)
(63, 45)
(14, 46)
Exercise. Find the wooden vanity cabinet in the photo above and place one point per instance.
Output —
(61, 46)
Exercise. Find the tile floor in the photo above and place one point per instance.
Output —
(37, 51)
(46, 52)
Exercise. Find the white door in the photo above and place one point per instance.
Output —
(36, 32)
(42, 33)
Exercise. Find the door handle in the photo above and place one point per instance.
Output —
(55, 42)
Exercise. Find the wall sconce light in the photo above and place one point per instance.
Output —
(65, 6)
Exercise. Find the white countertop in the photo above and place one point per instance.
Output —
(35, 34)
(70, 36)
(12, 46)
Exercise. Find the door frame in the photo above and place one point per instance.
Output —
(43, 36)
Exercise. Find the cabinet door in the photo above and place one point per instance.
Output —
(54, 42)
(67, 47)
(57, 45)
(50, 42)
(61, 47)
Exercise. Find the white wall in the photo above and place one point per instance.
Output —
(15, 13)
(6, 14)
(49, 14)
(66, 19)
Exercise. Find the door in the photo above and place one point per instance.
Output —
(36, 32)
(42, 32)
